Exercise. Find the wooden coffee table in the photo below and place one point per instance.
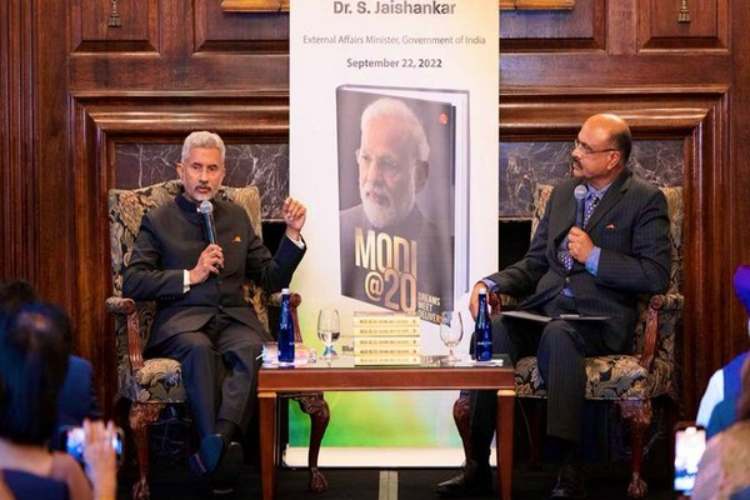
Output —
(341, 376)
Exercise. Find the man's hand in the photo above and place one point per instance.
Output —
(474, 300)
(210, 261)
(294, 215)
(579, 244)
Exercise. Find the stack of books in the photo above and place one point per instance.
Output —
(386, 339)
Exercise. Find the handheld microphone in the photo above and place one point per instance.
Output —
(206, 209)
(580, 195)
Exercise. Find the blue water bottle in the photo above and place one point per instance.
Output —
(483, 330)
(286, 330)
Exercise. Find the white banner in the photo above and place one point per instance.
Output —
(394, 149)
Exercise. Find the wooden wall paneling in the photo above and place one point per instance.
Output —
(100, 120)
(138, 30)
(544, 4)
(582, 28)
(622, 21)
(283, 5)
(255, 5)
(220, 31)
(256, 64)
(52, 213)
(659, 28)
(737, 184)
(601, 69)
(95, 341)
(17, 255)
(699, 115)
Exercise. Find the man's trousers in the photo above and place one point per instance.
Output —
(219, 370)
(560, 347)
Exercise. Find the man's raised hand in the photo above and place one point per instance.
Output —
(295, 214)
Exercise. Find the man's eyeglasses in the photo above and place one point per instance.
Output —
(588, 150)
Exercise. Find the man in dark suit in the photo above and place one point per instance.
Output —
(621, 250)
(202, 319)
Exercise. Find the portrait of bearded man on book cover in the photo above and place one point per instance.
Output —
(392, 253)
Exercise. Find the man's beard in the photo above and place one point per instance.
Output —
(392, 212)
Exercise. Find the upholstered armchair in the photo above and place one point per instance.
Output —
(630, 381)
(150, 385)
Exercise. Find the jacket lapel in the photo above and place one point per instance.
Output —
(611, 198)
(568, 209)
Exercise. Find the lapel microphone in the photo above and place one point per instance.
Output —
(206, 209)
(579, 193)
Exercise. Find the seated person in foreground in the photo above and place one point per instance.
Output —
(77, 399)
(621, 250)
(724, 469)
(718, 406)
(202, 319)
(33, 362)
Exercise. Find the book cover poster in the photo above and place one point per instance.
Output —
(396, 162)
(402, 212)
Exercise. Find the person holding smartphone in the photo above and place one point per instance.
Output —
(33, 363)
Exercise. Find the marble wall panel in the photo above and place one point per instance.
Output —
(263, 165)
(523, 165)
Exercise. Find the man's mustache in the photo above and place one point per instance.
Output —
(373, 191)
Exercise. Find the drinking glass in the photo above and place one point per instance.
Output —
(451, 331)
(329, 330)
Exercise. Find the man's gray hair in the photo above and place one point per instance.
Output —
(387, 106)
(202, 139)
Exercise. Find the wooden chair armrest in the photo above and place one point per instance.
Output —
(126, 307)
(296, 300)
(657, 304)
(118, 305)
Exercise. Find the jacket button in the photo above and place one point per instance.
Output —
(567, 279)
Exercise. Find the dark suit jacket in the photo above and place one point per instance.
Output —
(434, 260)
(630, 225)
(171, 239)
(77, 399)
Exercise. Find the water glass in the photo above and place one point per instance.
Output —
(451, 331)
(329, 330)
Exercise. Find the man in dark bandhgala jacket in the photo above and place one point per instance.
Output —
(620, 250)
(202, 319)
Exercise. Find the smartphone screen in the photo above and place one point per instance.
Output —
(76, 440)
(689, 446)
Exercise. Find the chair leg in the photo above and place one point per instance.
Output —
(315, 406)
(140, 417)
(535, 459)
(639, 415)
(462, 417)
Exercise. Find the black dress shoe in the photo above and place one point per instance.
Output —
(569, 483)
(230, 465)
(474, 480)
(224, 478)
